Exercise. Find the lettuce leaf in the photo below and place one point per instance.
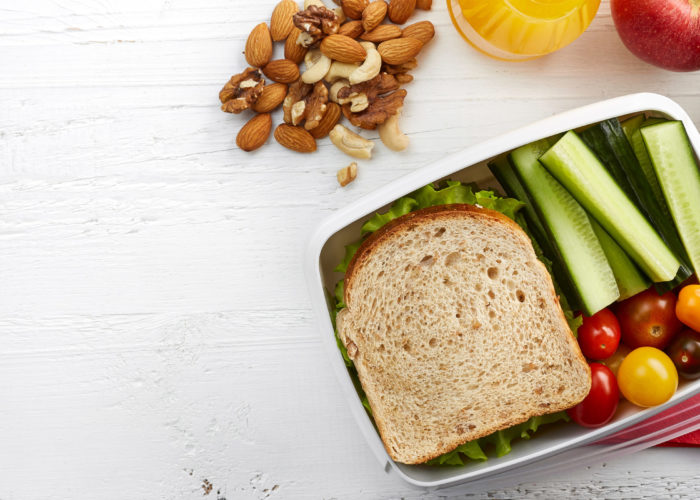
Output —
(401, 207)
(428, 196)
(499, 442)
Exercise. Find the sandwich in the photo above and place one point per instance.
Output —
(453, 325)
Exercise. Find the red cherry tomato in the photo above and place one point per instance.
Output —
(601, 403)
(648, 319)
(684, 351)
(599, 335)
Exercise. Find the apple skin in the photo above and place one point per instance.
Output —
(665, 33)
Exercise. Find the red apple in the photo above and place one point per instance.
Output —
(665, 33)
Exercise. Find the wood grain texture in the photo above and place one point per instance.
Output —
(157, 336)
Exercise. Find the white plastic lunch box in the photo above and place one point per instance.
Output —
(553, 448)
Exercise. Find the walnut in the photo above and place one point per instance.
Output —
(400, 71)
(315, 23)
(305, 102)
(296, 94)
(380, 84)
(316, 105)
(395, 69)
(379, 111)
(365, 104)
(241, 91)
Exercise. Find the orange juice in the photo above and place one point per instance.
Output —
(517, 30)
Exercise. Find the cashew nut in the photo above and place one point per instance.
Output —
(317, 65)
(339, 70)
(351, 143)
(339, 84)
(309, 3)
(391, 135)
(358, 101)
(370, 67)
(347, 174)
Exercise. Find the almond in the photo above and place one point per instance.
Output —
(295, 138)
(271, 97)
(330, 118)
(292, 50)
(281, 22)
(374, 14)
(401, 10)
(424, 4)
(254, 133)
(343, 48)
(423, 31)
(353, 29)
(258, 47)
(398, 50)
(284, 70)
(382, 33)
(354, 8)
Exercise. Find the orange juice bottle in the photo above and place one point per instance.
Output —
(517, 30)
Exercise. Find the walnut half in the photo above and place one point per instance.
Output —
(315, 24)
(241, 91)
(305, 102)
(382, 96)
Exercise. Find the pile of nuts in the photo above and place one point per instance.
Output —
(354, 67)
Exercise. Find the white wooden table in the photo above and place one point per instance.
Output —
(157, 339)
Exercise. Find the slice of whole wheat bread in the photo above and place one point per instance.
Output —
(456, 331)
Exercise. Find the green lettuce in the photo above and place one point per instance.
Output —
(448, 193)
(499, 442)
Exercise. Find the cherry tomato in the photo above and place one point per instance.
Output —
(685, 353)
(648, 319)
(647, 377)
(688, 306)
(614, 361)
(599, 335)
(601, 403)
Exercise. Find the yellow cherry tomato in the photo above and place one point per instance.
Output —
(688, 306)
(647, 377)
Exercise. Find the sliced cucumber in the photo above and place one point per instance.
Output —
(569, 229)
(631, 125)
(504, 173)
(596, 139)
(508, 179)
(679, 175)
(578, 169)
(630, 280)
(646, 200)
(640, 151)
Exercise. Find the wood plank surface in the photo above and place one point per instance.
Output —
(157, 337)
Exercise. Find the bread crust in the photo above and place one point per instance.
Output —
(404, 222)
(410, 220)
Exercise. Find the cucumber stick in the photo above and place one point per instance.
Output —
(569, 229)
(582, 174)
(679, 175)
(630, 280)
(655, 211)
(504, 173)
(634, 135)
(596, 139)
(630, 125)
(508, 179)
